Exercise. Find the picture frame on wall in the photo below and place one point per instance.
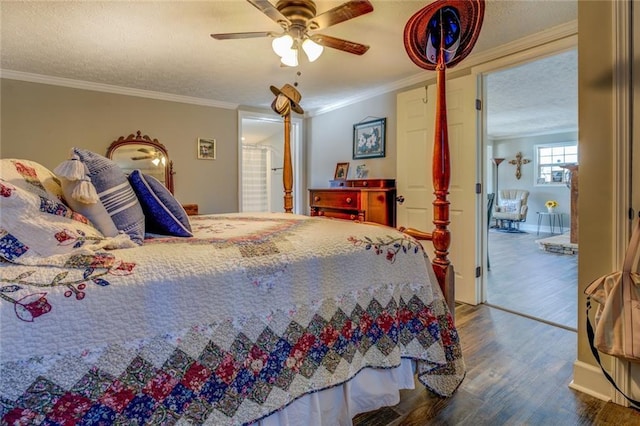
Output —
(369, 139)
(342, 170)
(206, 149)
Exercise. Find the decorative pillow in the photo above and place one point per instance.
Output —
(510, 206)
(118, 208)
(35, 223)
(163, 213)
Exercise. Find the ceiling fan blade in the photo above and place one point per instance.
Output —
(144, 157)
(344, 12)
(270, 10)
(232, 36)
(340, 44)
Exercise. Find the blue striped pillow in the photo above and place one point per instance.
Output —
(115, 193)
(163, 213)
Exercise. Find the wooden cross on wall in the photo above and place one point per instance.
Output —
(518, 162)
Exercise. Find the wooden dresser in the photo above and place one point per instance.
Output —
(371, 200)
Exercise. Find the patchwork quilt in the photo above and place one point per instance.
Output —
(225, 327)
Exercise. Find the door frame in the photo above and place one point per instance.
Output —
(297, 154)
(482, 70)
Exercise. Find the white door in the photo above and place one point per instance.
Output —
(416, 124)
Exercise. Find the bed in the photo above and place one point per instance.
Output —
(250, 315)
(116, 308)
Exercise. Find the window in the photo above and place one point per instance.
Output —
(550, 159)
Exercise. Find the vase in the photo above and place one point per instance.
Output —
(551, 209)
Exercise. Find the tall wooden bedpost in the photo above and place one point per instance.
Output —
(437, 37)
(287, 168)
(441, 170)
(287, 99)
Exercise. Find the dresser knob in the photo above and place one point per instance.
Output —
(352, 217)
(365, 183)
(316, 198)
(348, 200)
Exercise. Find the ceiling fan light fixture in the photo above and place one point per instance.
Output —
(290, 58)
(312, 49)
(282, 45)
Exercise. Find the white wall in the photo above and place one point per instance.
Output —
(42, 123)
(332, 141)
(538, 195)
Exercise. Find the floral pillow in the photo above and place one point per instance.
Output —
(35, 223)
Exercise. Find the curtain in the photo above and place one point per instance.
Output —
(254, 179)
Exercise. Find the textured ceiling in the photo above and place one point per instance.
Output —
(164, 47)
(534, 98)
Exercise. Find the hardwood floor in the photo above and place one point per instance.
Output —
(518, 372)
(530, 281)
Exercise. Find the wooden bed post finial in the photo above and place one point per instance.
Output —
(287, 99)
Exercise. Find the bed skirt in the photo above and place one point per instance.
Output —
(369, 390)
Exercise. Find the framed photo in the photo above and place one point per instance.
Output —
(369, 139)
(206, 149)
(342, 169)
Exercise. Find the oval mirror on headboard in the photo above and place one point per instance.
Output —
(143, 153)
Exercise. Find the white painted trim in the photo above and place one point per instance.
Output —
(533, 134)
(623, 121)
(297, 155)
(108, 88)
(534, 53)
(588, 379)
(548, 43)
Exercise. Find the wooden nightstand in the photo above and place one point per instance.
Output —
(191, 209)
(371, 200)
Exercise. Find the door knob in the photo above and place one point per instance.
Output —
(400, 199)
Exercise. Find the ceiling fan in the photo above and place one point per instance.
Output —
(297, 18)
(155, 156)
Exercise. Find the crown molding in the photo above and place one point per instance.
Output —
(501, 138)
(108, 88)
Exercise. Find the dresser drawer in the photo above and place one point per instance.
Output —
(357, 200)
(335, 199)
(340, 214)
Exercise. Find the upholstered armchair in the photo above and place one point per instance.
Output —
(511, 208)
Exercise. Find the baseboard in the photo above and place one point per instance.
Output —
(589, 379)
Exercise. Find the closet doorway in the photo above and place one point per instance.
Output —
(531, 110)
(261, 156)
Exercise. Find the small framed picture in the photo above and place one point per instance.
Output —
(206, 149)
(369, 139)
(342, 169)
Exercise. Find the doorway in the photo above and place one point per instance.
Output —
(531, 110)
(261, 154)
